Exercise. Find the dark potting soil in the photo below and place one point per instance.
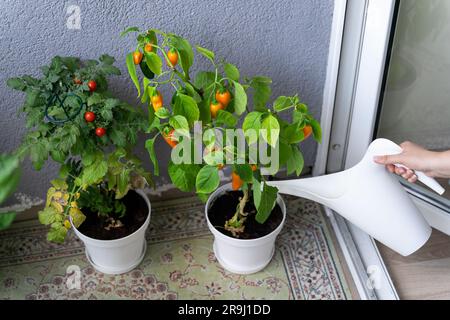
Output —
(135, 216)
(224, 207)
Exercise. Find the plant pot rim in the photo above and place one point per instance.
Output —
(120, 240)
(227, 187)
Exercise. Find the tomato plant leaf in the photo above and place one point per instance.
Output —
(207, 179)
(132, 71)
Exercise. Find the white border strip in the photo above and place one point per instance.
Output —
(329, 91)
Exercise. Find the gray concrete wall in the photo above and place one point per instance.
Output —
(286, 40)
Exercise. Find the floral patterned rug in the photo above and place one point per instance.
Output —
(179, 264)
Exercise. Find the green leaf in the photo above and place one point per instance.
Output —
(205, 113)
(207, 53)
(47, 216)
(16, 83)
(226, 118)
(292, 133)
(105, 58)
(128, 30)
(203, 79)
(145, 84)
(179, 122)
(6, 219)
(285, 153)
(185, 52)
(57, 234)
(231, 71)
(187, 107)
(9, 175)
(262, 91)
(266, 203)
(207, 179)
(123, 184)
(93, 173)
(240, 98)
(252, 121)
(150, 146)
(106, 114)
(317, 130)
(77, 217)
(154, 62)
(272, 127)
(111, 70)
(162, 113)
(256, 192)
(183, 175)
(244, 172)
(283, 103)
(94, 98)
(295, 162)
(132, 72)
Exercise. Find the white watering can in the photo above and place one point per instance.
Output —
(371, 198)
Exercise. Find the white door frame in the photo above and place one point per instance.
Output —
(358, 48)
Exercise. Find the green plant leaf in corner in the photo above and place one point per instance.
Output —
(132, 71)
(6, 219)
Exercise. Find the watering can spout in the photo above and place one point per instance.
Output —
(371, 198)
(319, 189)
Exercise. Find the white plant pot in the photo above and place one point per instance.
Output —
(119, 255)
(243, 256)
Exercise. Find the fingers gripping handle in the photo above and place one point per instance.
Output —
(387, 147)
(426, 180)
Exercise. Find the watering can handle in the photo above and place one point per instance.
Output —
(426, 180)
(382, 146)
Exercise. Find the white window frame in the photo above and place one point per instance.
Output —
(358, 48)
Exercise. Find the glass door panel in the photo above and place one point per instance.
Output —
(416, 98)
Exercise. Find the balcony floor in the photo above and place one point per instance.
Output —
(179, 263)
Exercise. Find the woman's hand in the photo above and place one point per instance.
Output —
(415, 157)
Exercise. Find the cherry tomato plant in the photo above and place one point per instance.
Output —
(93, 147)
(219, 99)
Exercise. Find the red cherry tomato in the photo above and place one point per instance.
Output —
(92, 85)
(100, 132)
(89, 116)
